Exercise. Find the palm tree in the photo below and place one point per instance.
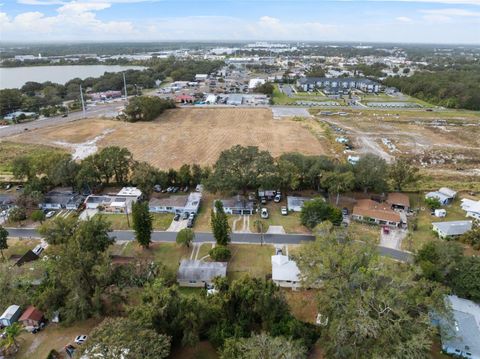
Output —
(11, 334)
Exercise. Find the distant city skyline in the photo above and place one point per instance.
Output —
(405, 21)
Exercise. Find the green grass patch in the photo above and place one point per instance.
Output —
(204, 250)
(250, 259)
(161, 221)
(10, 151)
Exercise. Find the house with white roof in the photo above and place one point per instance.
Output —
(451, 229)
(462, 336)
(285, 272)
(471, 207)
(444, 195)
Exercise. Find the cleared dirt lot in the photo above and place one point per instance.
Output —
(186, 135)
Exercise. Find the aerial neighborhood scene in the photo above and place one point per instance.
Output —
(239, 179)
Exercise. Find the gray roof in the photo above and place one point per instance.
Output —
(464, 334)
(313, 80)
(10, 312)
(237, 202)
(453, 228)
(195, 270)
(172, 201)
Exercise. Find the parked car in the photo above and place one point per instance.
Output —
(175, 189)
(19, 187)
(176, 217)
(264, 213)
(386, 230)
(81, 339)
(8, 186)
(345, 211)
(186, 189)
(185, 215)
(192, 216)
(70, 350)
(263, 200)
(278, 197)
(50, 214)
(157, 188)
(190, 223)
(284, 211)
(169, 189)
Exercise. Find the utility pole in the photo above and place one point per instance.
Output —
(126, 212)
(125, 86)
(83, 102)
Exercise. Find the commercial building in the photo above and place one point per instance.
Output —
(336, 85)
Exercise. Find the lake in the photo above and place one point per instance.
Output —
(16, 77)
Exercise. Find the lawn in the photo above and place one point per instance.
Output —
(204, 250)
(10, 151)
(302, 304)
(168, 254)
(53, 337)
(161, 221)
(254, 260)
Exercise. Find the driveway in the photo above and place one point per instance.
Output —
(177, 226)
(393, 239)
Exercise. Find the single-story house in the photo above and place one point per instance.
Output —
(10, 316)
(398, 201)
(110, 204)
(237, 205)
(184, 99)
(285, 272)
(295, 204)
(471, 207)
(452, 228)
(62, 199)
(176, 203)
(462, 336)
(31, 317)
(195, 273)
(374, 212)
(444, 195)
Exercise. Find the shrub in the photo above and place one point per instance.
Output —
(220, 254)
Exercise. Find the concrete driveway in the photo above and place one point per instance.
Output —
(393, 239)
(177, 226)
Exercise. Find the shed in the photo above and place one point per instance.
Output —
(31, 317)
(10, 316)
(195, 273)
(295, 204)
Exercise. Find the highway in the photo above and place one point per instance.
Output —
(237, 238)
(107, 109)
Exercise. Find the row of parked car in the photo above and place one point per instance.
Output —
(172, 189)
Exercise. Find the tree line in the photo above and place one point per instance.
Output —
(452, 87)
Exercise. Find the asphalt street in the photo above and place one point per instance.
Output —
(203, 237)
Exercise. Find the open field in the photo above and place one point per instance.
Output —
(161, 221)
(9, 151)
(184, 135)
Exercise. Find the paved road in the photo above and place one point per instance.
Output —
(108, 109)
(202, 237)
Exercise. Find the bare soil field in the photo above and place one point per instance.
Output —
(447, 140)
(184, 135)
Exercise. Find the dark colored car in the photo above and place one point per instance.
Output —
(345, 211)
(176, 217)
(185, 215)
(190, 223)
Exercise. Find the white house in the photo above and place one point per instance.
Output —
(452, 228)
(471, 207)
(462, 336)
(201, 77)
(285, 272)
(196, 273)
(255, 82)
(176, 204)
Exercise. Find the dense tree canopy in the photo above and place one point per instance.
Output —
(368, 308)
(146, 108)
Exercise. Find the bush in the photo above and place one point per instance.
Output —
(17, 214)
(38, 216)
(145, 108)
(220, 254)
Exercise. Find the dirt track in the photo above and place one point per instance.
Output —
(186, 135)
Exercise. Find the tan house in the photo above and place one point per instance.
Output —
(370, 211)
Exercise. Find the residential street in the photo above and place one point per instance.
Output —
(202, 237)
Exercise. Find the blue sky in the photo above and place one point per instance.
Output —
(426, 21)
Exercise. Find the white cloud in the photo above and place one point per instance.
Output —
(403, 19)
(451, 12)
